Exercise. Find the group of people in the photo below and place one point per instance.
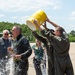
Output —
(57, 46)
(20, 52)
(55, 42)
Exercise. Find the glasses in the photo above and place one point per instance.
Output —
(6, 34)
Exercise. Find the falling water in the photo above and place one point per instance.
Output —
(10, 66)
(7, 66)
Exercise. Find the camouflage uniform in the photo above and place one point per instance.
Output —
(49, 52)
(60, 48)
(22, 47)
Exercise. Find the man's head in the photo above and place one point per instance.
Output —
(59, 31)
(5, 34)
(16, 30)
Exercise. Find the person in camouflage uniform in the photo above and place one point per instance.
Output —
(48, 50)
(60, 48)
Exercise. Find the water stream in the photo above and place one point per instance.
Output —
(7, 66)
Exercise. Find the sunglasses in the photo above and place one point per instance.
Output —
(6, 34)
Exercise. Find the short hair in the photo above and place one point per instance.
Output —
(61, 29)
(18, 28)
(4, 31)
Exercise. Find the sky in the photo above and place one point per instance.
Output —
(62, 12)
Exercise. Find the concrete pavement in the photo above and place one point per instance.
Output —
(72, 55)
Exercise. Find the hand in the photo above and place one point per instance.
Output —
(17, 57)
(35, 22)
(37, 25)
(47, 19)
(54, 24)
(10, 50)
(44, 25)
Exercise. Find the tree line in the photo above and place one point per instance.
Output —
(27, 32)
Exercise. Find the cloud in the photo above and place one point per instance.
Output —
(24, 19)
(20, 20)
(72, 15)
(26, 5)
(1, 15)
(14, 17)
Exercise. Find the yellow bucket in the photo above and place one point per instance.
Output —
(40, 16)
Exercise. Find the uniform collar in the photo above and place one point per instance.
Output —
(18, 37)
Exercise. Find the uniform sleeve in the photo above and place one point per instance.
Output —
(44, 33)
(40, 38)
(48, 34)
(27, 49)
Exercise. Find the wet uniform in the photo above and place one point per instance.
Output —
(22, 47)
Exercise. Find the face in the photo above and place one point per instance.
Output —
(38, 43)
(57, 32)
(14, 32)
(5, 35)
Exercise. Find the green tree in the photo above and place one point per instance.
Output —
(25, 30)
(72, 33)
(72, 36)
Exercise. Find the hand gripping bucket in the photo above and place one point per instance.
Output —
(40, 16)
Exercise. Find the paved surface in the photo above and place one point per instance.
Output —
(72, 55)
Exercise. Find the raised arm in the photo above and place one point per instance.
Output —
(45, 26)
(54, 24)
(37, 25)
(40, 38)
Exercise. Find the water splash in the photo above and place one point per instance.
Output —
(10, 66)
(7, 66)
